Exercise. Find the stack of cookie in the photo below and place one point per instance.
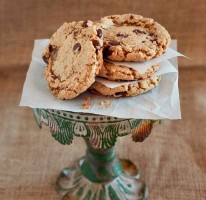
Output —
(80, 51)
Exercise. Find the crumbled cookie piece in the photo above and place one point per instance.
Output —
(86, 105)
(105, 103)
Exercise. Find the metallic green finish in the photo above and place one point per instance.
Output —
(80, 191)
(100, 165)
(88, 196)
(102, 194)
(112, 193)
(123, 187)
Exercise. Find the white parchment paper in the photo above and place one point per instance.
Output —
(143, 66)
(160, 103)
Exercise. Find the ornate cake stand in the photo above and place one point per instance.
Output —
(100, 175)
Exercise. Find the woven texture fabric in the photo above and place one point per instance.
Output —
(23, 21)
(172, 160)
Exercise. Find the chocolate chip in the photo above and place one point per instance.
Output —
(77, 47)
(53, 76)
(122, 35)
(114, 43)
(131, 17)
(85, 24)
(151, 34)
(137, 31)
(107, 52)
(99, 33)
(154, 40)
(76, 32)
(53, 51)
(46, 59)
(121, 94)
(52, 47)
(96, 43)
(143, 41)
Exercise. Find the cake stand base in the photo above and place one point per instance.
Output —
(73, 185)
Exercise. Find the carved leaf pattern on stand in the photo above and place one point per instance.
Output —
(142, 131)
(102, 131)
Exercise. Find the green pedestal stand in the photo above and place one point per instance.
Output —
(100, 175)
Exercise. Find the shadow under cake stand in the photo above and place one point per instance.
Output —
(99, 175)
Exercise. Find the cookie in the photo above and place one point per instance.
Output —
(116, 72)
(131, 37)
(73, 57)
(125, 90)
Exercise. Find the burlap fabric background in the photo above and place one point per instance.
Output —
(172, 160)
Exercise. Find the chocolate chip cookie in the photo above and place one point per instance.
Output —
(73, 57)
(131, 37)
(116, 72)
(125, 90)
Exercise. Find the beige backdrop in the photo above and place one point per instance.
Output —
(172, 160)
(23, 21)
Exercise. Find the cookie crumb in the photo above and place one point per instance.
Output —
(86, 105)
(105, 103)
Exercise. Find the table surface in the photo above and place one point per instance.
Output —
(172, 160)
